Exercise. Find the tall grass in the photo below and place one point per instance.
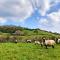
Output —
(28, 51)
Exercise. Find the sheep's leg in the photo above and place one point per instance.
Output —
(52, 46)
(41, 45)
(46, 46)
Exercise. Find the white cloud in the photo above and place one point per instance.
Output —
(52, 23)
(15, 8)
(55, 16)
(22, 9)
(43, 21)
(45, 5)
(41, 5)
(55, 19)
(15, 19)
(44, 24)
(2, 20)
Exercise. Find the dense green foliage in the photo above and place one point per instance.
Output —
(28, 51)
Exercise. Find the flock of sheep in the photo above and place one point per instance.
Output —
(46, 43)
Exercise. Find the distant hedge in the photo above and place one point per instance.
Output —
(24, 38)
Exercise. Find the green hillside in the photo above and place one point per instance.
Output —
(22, 33)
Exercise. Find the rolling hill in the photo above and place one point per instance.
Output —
(22, 33)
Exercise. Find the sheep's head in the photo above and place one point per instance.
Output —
(43, 40)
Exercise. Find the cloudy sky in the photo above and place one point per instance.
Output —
(43, 14)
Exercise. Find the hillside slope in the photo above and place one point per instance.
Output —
(22, 33)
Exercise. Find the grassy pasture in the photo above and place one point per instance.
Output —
(28, 51)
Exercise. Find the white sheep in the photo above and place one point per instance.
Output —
(28, 41)
(37, 42)
(49, 43)
(58, 41)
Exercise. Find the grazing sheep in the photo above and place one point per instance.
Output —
(15, 41)
(58, 41)
(49, 43)
(28, 41)
(37, 42)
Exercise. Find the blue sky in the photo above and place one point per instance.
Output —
(42, 14)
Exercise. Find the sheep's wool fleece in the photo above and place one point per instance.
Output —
(37, 42)
(49, 42)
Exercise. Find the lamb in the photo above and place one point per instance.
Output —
(49, 43)
(58, 41)
(29, 41)
(15, 41)
(37, 42)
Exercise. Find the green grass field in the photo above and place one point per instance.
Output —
(28, 51)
